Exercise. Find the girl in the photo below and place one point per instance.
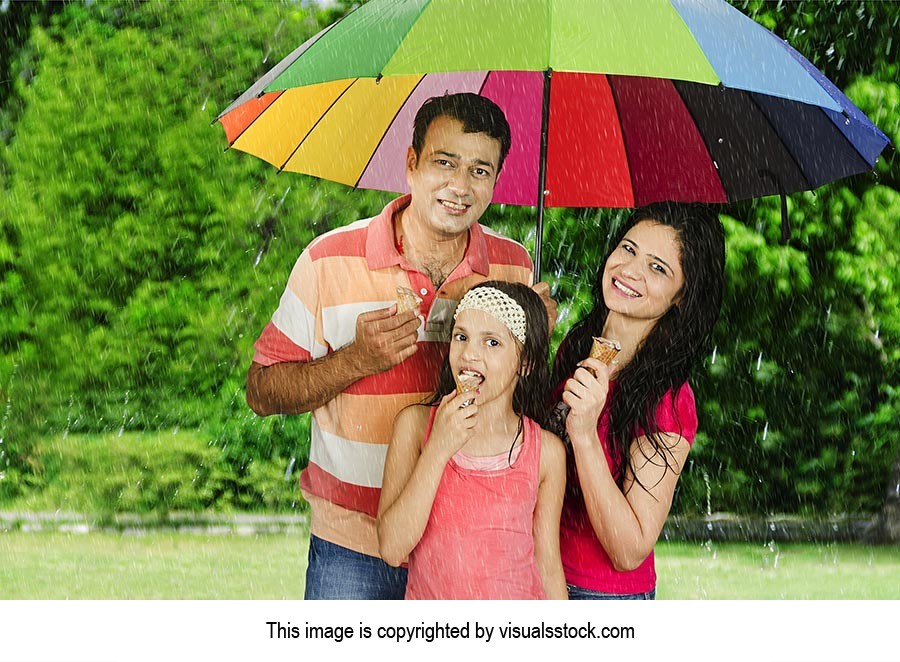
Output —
(629, 425)
(473, 486)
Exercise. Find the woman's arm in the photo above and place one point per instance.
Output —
(546, 516)
(627, 521)
(412, 472)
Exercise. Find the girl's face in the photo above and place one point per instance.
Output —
(483, 348)
(642, 278)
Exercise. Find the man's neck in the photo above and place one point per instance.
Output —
(434, 255)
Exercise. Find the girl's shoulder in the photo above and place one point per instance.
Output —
(553, 453)
(414, 416)
(551, 444)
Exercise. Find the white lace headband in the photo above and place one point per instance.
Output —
(498, 305)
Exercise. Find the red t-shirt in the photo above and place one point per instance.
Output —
(585, 562)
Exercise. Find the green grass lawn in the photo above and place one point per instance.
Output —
(159, 565)
(743, 571)
(151, 566)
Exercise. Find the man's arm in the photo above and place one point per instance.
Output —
(383, 339)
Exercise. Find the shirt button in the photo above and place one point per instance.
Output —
(423, 291)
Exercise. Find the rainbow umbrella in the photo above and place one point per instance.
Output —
(615, 103)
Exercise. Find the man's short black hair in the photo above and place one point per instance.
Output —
(477, 114)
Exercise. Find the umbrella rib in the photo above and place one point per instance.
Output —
(313, 127)
(850, 142)
(781, 140)
(273, 74)
(690, 113)
(484, 83)
(253, 121)
(405, 35)
(614, 94)
(389, 124)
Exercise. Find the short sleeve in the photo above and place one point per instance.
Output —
(677, 413)
(295, 331)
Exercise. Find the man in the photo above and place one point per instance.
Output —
(338, 347)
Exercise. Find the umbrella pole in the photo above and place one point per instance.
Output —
(542, 176)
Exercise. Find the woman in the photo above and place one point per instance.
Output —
(629, 425)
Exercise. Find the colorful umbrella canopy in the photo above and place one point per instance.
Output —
(611, 103)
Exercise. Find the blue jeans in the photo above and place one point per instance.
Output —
(338, 573)
(578, 593)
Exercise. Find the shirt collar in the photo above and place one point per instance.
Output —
(381, 251)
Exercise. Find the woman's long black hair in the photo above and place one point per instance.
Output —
(664, 359)
(532, 390)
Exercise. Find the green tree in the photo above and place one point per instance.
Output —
(137, 261)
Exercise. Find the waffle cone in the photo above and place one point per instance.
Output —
(407, 300)
(465, 385)
(605, 350)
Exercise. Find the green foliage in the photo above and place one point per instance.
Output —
(146, 472)
(129, 241)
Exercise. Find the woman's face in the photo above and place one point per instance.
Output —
(642, 278)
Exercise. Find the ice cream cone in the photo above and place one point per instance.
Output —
(407, 300)
(605, 350)
(467, 384)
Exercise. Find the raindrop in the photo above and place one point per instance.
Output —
(721, 140)
(708, 497)
(290, 468)
(204, 102)
(766, 431)
(281, 202)
(759, 362)
(259, 200)
(715, 350)
(124, 415)
(65, 434)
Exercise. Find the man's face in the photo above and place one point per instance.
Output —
(452, 181)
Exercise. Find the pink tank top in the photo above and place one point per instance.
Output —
(479, 542)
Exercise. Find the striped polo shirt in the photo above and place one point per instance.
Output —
(343, 273)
